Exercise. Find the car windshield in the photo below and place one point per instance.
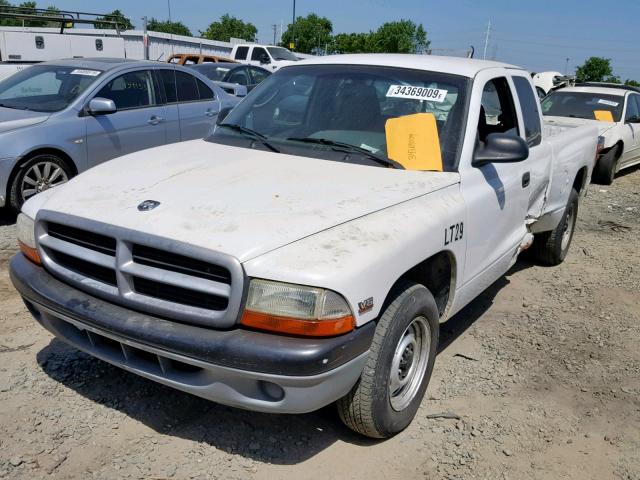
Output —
(45, 88)
(312, 109)
(583, 105)
(279, 53)
(212, 71)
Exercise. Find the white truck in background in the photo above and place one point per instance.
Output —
(265, 56)
(308, 251)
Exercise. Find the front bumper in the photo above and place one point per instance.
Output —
(242, 368)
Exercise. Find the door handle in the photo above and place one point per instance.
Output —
(210, 113)
(526, 179)
(154, 120)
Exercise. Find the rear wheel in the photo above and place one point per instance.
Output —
(605, 170)
(551, 248)
(392, 385)
(38, 174)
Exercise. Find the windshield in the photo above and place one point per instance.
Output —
(279, 53)
(582, 105)
(45, 88)
(307, 110)
(212, 71)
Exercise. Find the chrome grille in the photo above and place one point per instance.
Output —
(141, 271)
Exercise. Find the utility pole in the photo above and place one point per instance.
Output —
(293, 25)
(275, 32)
(566, 66)
(145, 38)
(486, 40)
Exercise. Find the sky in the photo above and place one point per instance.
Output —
(538, 35)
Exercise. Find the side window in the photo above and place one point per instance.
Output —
(497, 113)
(633, 107)
(259, 54)
(258, 75)
(130, 90)
(530, 112)
(187, 87)
(241, 53)
(239, 76)
(169, 81)
(205, 92)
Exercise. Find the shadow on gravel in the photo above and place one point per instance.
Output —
(461, 321)
(627, 171)
(7, 217)
(278, 439)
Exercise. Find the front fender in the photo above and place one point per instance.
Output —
(363, 258)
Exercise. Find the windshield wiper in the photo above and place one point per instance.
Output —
(387, 162)
(15, 107)
(251, 133)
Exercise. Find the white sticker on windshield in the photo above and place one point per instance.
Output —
(417, 93)
(88, 73)
(608, 102)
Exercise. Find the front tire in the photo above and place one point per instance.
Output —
(38, 174)
(388, 394)
(551, 248)
(605, 170)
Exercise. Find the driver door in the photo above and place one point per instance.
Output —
(137, 124)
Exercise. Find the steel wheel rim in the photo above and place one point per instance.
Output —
(42, 176)
(409, 363)
(568, 229)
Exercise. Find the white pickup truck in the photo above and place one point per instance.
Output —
(265, 56)
(308, 251)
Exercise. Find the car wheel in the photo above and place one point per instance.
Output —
(391, 387)
(551, 248)
(605, 170)
(38, 174)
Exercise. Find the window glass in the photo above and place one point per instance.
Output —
(258, 74)
(239, 76)
(497, 113)
(169, 81)
(130, 90)
(578, 104)
(259, 54)
(633, 107)
(187, 88)
(530, 112)
(205, 92)
(45, 88)
(241, 53)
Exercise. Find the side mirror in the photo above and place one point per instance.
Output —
(101, 106)
(222, 114)
(264, 59)
(501, 148)
(240, 90)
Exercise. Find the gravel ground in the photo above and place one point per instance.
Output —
(539, 378)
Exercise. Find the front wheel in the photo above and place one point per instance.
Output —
(605, 170)
(551, 248)
(38, 174)
(388, 394)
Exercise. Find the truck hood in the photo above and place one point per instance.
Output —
(234, 200)
(603, 127)
(10, 118)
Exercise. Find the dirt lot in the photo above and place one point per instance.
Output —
(543, 371)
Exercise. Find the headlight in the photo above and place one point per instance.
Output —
(296, 309)
(25, 227)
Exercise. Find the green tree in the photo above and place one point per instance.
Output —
(177, 28)
(228, 27)
(124, 23)
(28, 8)
(310, 34)
(352, 43)
(402, 36)
(632, 83)
(595, 69)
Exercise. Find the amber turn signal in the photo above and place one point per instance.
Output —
(31, 253)
(295, 326)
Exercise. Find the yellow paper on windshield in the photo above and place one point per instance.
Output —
(413, 142)
(603, 115)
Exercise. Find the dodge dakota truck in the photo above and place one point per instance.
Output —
(309, 249)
